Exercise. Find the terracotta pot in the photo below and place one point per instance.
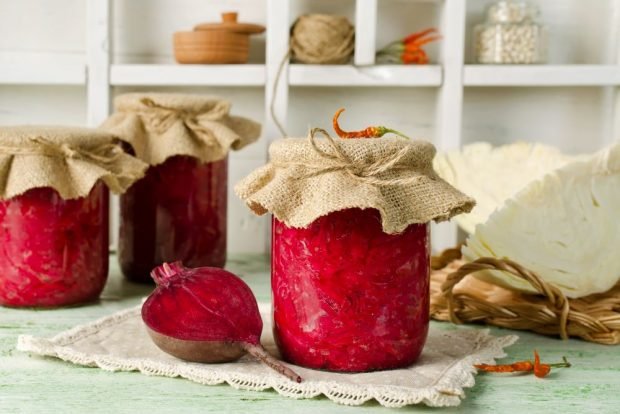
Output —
(225, 42)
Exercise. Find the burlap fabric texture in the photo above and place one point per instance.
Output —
(307, 178)
(160, 125)
(68, 159)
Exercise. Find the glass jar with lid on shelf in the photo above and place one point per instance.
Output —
(511, 34)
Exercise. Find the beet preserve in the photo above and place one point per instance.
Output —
(347, 296)
(350, 246)
(54, 251)
(176, 212)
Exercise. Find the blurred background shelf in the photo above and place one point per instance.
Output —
(379, 75)
(541, 75)
(187, 75)
(253, 75)
(47, 74)
(66, 68)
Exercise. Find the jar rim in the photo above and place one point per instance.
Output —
(512, 11)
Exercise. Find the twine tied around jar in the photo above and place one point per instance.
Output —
(310, 177)
(163, 125)
(70, 160)
(338, 160)
(162, 117)
(316, 39)
(103, 154)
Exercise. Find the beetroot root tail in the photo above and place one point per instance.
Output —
(258, 352)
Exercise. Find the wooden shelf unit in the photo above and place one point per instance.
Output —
(184, 75)
(49, 74)
(541, 75)
(450, 75)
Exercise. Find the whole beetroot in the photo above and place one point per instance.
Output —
(206, 314)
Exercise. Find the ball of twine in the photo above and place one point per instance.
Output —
(322, 39)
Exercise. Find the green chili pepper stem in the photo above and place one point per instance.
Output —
(394, 43)
(385, 130)
(563, 364)
(392, 49)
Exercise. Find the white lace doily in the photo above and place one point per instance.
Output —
(119, 342)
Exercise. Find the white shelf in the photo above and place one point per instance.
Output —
(450, 76)
(541, 75)
(194, 75)
(43, 74)
(315, 75)
(366, 17)
(380, 75)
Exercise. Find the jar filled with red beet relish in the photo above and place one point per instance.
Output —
(350, 247)
(54, 212)
(178, 210)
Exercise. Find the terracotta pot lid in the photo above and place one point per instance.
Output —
(229, 23)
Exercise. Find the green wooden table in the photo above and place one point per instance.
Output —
(43, 385)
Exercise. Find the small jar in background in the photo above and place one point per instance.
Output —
(511, 35)
(54, 212)
(178, 211)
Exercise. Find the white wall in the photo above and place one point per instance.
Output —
(575, 119)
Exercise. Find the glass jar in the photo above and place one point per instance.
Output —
(511, 35)
(347, 296)
(176, 212)
(54, 251)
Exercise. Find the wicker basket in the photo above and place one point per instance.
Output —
(458, 297)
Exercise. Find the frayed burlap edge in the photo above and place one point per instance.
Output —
(309, 178)
(159, 126)
(68, 159)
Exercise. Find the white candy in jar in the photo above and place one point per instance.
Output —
(509, 44)
(511, 35)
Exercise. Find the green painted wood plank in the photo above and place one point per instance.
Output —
(44, 385)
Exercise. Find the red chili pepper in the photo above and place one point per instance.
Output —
(370, 132)
(540, 370)
(409, 49)
(418, 35)
(417, 57)
(521, 366)
(417, 44)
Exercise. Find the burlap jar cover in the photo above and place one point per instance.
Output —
(159, 126)
(70, 160)
(309, 178)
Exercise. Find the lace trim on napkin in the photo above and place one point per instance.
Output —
(445, 390)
